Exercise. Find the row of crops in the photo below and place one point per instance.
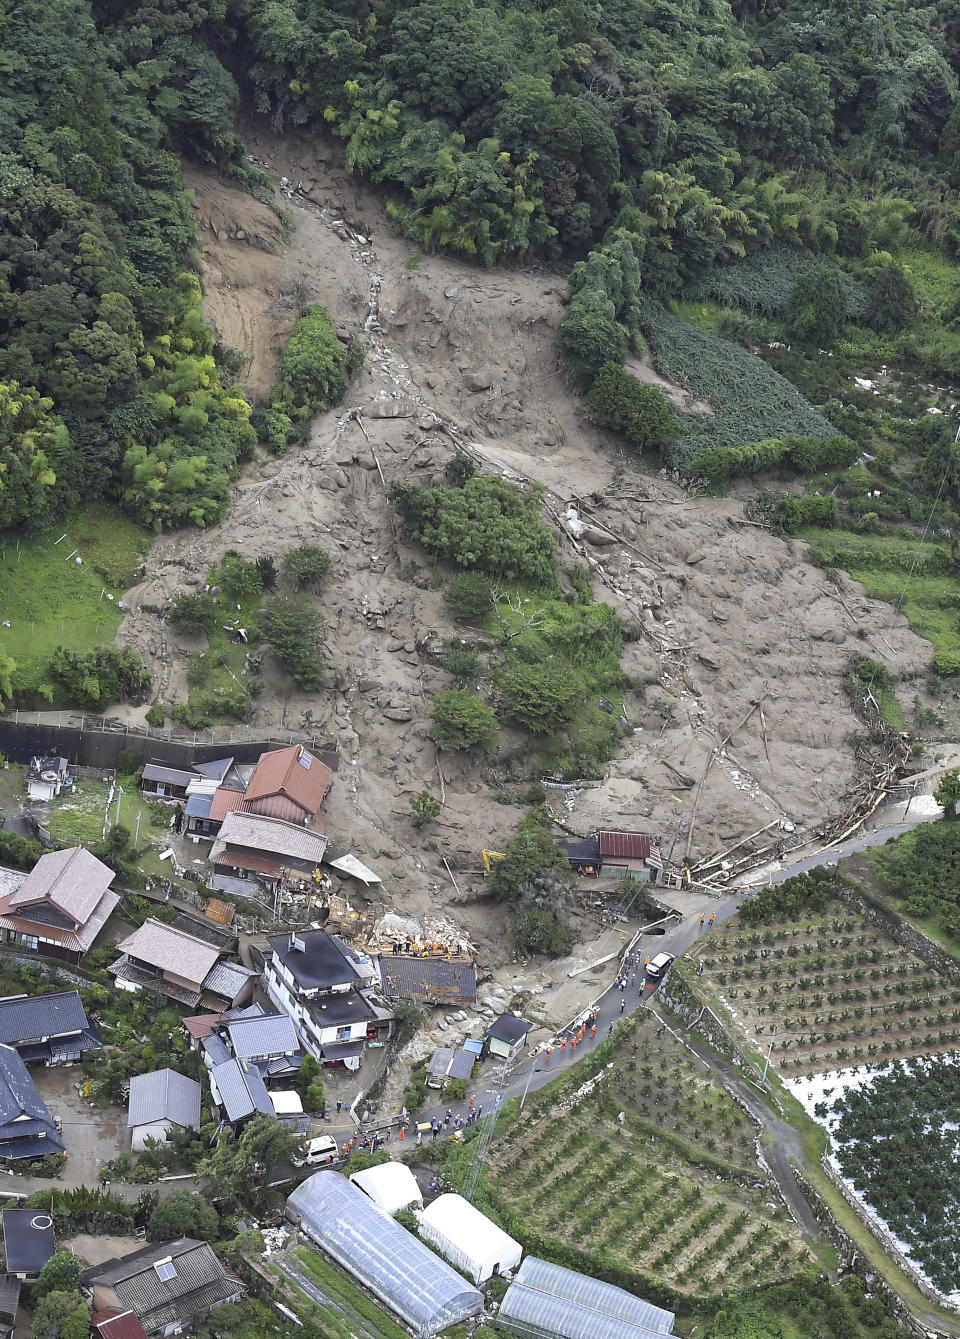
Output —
(832, 990)
(674, 1190)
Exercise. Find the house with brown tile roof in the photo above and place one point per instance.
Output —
(252, 847)
(60, 907)
(159, 957)
(288, 783)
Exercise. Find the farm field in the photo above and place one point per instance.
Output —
(50, 601)
(830, 991)
(675, 1192)
(895, 1142)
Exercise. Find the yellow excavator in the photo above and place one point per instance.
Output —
(489, 857)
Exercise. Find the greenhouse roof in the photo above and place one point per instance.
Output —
(545, 1299)
(400, 1270)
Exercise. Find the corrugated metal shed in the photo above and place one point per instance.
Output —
(623, 845)
(198, 806)
(404, 1273)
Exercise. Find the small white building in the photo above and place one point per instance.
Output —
(392, 1187)
(287, 1103)
(468, 1238)
(46, 777)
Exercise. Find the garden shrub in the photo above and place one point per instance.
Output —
(98, 678)
(528, 853)
(541, 697)
(803, 893)
(465, 665)
(469, 598)
(155, 716)
(314, 369)
(533, 930)
(293, 630)
(488, 525)
(460, 720)
(801, 455)
(305, 566)
(193, 613)
(790, 514)
(240, 579)
(619, 401)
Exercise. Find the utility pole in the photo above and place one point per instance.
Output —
(766, 1063)
(526, 1086)
(116, 812)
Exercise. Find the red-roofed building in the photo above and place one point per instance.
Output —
(288, 783)
(631, 851)
(116, 1324)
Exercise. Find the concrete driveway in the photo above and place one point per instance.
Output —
(91, 1136)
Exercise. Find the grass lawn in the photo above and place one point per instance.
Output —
(882, 564)
(50, 601)
(80, 818)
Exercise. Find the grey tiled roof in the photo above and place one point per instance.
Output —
(73, 880)
(26, 1018)
(199, 1282)
(429, 980)
(164, 1095)
(228, 979)
(19, 1098)
(173, 776)
(272, 1035)
(171, 950)
(242, 1091)
(215, 1050)
(272, 835)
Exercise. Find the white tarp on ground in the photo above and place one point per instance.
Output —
(468, 1238)
(356, 869)
(392, 1187)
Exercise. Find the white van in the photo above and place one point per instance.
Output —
(658, 965)
(319, 1152)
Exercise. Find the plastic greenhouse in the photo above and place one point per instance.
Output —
(391, 1186)
(546, 1300)
(406, 1275)
(468, 1238)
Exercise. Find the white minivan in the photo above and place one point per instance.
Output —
(658, 965)
(319, 1152)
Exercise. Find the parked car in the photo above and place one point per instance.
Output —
(319, 1152)
(657, 966)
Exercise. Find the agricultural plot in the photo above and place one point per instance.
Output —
(674, 1192)
(830, 991)
(896, 1142)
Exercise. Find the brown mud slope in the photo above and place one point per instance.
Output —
(723, 611)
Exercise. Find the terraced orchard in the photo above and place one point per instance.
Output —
(831, 991)
(675, 1192)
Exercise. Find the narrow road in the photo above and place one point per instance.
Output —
(785, 1145)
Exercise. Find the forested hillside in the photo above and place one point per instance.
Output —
(761, 156)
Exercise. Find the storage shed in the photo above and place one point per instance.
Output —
(506, 1035)
(391, 1186)
(404, 1273)
(545, 1300)
(468, 1238)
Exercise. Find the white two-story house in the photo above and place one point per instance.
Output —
(330, 992)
